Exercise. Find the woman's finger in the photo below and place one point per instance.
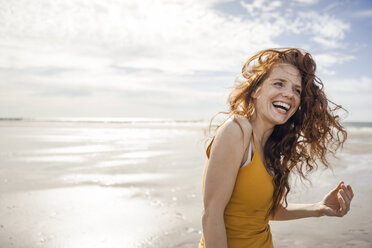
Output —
(351, 191)
(342, 210)
(344, 193)
(347, 193)
(346, 199)
(338, 186)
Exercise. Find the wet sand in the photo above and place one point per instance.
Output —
(115, 185)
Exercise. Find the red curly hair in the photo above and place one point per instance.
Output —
(311, 133)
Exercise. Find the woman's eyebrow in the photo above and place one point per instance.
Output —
(284, 81)
(280, 79)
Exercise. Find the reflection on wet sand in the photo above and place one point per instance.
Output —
(93, 185)
(84, 216)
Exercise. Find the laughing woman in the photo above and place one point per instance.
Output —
(280, 123)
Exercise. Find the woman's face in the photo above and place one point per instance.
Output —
(279, 95)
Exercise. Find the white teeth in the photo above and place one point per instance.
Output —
(284, 105)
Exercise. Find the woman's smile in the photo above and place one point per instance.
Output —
(279, 95)
(281, 107)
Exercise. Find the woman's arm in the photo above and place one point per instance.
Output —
(297, 211)
(224, 162)
(335, 203)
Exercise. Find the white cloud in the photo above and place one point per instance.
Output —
(328, 26)
(169, 36)
(257, 6)
(325, 29)
(326, 42)
(172, 36)
(361, 86)
(57, 50)
(308, 2)
(326, 61)
(354, 94)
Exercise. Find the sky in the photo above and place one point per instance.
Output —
(170, 58)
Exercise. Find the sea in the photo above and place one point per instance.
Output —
(132, 142)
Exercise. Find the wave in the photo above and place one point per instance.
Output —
(350, 126)
(111, 120)
(358, 124)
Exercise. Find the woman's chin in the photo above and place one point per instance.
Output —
(280, 119)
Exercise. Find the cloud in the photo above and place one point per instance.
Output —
(326, 42)
(308, 2)
(169, 36)
(143, 52)
(353, 94)
(324, 29)
(326, 61)
(361, 86)
(258, 6)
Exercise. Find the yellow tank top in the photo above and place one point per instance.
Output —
(245, 213)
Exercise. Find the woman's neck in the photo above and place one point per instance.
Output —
(262, 130)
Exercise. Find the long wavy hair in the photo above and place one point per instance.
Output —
(309, 135)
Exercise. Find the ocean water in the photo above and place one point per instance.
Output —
(111, 144)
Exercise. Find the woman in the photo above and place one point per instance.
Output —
(279, 123)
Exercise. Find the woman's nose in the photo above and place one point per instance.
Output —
(288, 93)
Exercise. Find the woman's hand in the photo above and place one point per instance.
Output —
(337, 202)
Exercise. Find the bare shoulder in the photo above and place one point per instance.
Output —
(244, 123)
(235, 133)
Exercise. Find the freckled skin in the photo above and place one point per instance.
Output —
(283, 85)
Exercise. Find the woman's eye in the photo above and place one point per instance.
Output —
(298, 91)
(278, 83)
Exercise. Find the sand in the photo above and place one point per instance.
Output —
(139, 185)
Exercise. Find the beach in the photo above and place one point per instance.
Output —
(130, 184)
